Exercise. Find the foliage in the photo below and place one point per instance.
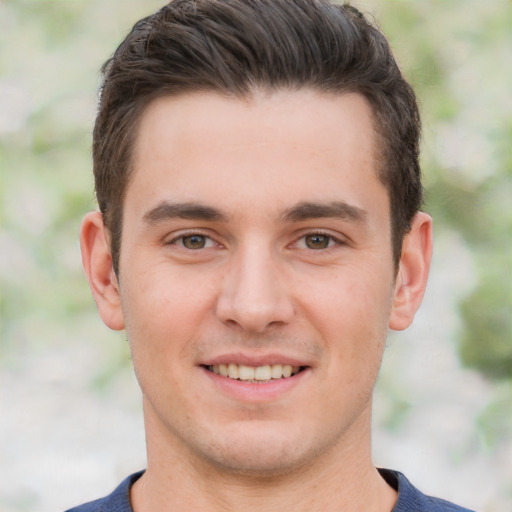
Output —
(454, 53)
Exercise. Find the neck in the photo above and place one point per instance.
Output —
(342, 479)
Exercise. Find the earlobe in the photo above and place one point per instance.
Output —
(97, 262)
(412, 276)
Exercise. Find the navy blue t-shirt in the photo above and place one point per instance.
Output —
(409, 498)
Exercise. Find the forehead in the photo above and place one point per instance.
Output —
(284, 146)
(299, 112)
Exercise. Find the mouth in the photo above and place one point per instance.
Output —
(256, 379)
(255, 374)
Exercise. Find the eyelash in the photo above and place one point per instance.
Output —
(177, 239)
(331, 240)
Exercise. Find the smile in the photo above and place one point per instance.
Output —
(260, 374)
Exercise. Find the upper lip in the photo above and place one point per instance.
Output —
(255, 360)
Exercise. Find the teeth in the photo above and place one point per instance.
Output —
(233, 371)
(277, 371)
(263, 372)
(249, 373)
(223, 369)
(245, 372)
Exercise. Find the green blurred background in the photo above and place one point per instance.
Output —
(71, 423)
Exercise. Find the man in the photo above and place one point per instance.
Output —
(256, 167)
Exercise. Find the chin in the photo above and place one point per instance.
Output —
(258, 463)
(266, 453)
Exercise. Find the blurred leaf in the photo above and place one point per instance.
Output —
(486, 342)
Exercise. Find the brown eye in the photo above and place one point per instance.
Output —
(317, 241)
(194, 241)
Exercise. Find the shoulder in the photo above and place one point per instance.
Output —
(91, 506)
(117, 501)
(410, 498)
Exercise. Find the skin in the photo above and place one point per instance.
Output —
(257, 231)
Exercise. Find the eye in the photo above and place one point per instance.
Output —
(317, 241)
(194, 241)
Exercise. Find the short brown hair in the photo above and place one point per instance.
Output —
(235, 46)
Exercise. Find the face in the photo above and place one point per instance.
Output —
(256, 276)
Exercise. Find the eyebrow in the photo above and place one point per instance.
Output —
(334, 209)
(192, 211)
(302, 211)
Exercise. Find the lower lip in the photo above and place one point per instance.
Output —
(256, 392)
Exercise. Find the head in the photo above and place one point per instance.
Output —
(259, 159)
(236, 48)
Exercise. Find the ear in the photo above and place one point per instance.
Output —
(97, 262)
(412, 276)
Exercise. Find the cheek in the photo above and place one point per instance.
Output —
(348, 299)
(163, 313)
(161, 327)
(351, 312)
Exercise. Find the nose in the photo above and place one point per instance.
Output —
(254, 295)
